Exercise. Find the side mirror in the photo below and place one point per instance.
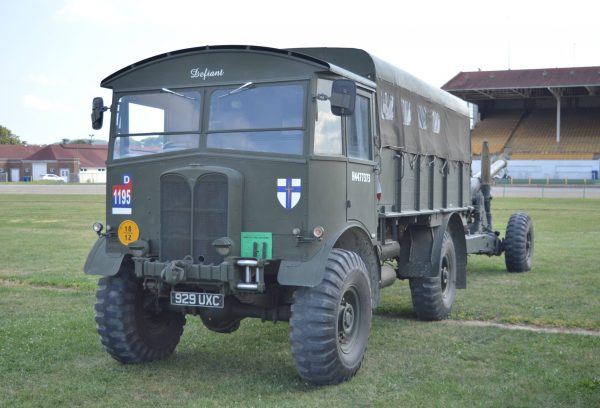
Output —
(343, 97)
(98, 109)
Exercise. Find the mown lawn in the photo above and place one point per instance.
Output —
(50, 354)
(45, 239)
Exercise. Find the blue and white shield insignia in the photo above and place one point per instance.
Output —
(289, 192)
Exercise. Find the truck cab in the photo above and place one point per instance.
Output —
(211, 156)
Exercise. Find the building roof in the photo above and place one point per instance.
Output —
(88, 155)
(16, 152)
(525, 83)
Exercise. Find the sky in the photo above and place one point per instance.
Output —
(54, 53)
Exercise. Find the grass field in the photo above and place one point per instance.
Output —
(50, 354)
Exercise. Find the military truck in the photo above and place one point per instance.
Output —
(285, 185)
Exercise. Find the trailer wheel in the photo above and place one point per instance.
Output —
(518, 243)
(129, 330)
(432, 298)
(330, 322)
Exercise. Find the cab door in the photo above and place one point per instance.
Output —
(360, 177)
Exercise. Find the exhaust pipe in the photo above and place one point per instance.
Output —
(388, 276)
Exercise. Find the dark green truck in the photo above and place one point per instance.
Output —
(286, 185)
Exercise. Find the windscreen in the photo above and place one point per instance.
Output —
(157, 122)
(257, 118)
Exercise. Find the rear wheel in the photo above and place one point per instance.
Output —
(129, 329)
(330, 323)
(432, 298)
(518, 243)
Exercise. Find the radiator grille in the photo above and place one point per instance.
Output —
(210, 215)
(175, 217)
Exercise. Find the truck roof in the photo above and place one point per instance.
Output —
(399, 93)
(368, 66)
(240, 48)
(354, 63)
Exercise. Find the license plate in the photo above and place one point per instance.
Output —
(195, 299)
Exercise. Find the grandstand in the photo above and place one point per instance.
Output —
(497, 130)
(580, 135)
(538, 115)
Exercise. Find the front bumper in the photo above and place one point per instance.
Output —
(232, 275)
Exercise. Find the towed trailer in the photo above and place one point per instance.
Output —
(284, 185)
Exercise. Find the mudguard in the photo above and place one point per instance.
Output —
(308, 273)
(100, 262)
(457, 232)
(421, 246)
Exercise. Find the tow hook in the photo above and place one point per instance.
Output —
(174, 271)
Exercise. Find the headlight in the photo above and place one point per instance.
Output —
(98, 227)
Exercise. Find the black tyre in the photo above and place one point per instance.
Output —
(129, 330)
(518, 243)
(330, 323)
(220, 326)
(432, 298)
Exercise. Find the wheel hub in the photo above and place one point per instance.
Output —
(348, 318)
(445, 276)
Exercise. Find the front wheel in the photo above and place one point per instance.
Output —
(130, 330)
(330, 323)
(432, 297)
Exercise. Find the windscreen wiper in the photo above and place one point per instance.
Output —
(247, 85)
(177, 94)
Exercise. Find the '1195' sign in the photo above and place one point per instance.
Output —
(122, 196)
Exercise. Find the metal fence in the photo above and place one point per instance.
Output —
(546, 191)
(547, 182)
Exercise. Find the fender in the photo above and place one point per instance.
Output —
(457, 232)
(310, 273)
(100, 262)
(420, 249)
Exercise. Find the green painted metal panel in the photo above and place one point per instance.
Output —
(257, 245)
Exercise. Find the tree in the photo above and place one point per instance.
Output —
(78, 141)
(7, 137)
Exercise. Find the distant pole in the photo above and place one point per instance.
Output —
(558, 119)
(556, 93)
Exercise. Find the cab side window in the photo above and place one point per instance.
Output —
(328, 127)
(358, 130)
